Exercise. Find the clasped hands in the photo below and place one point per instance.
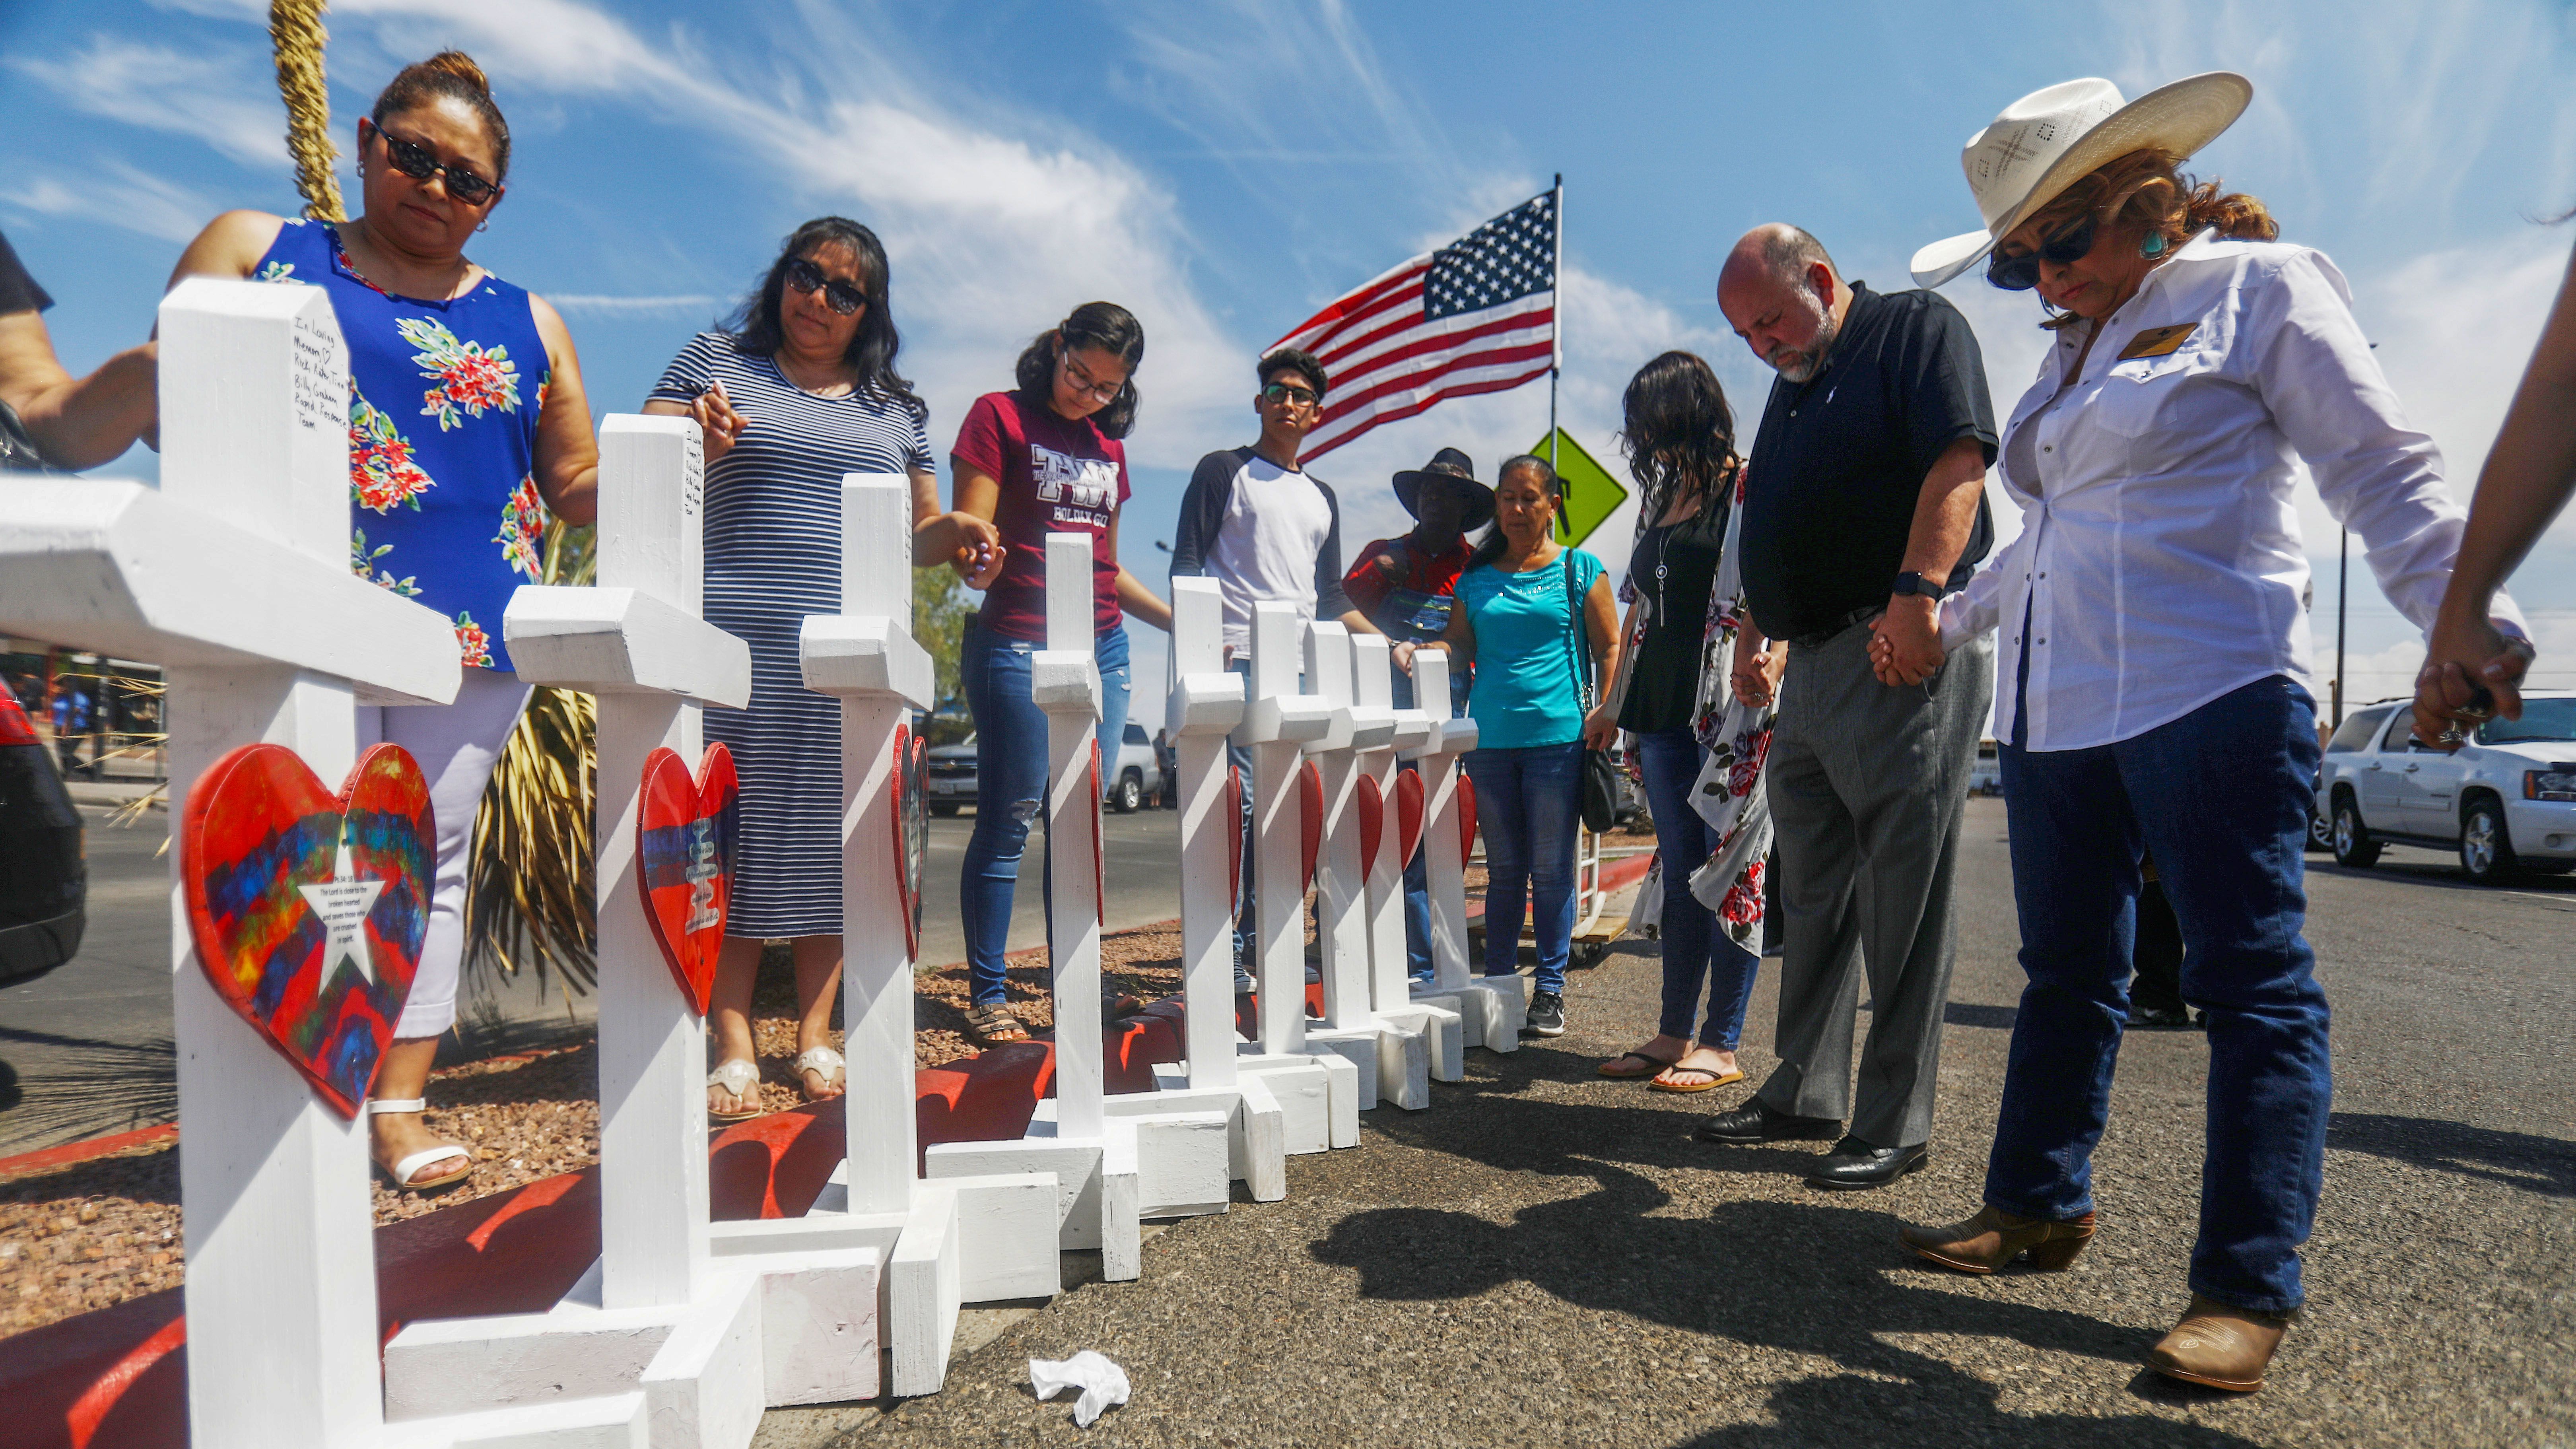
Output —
(1905, 642)
(2472, 672)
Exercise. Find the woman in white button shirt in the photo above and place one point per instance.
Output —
(2156, 684)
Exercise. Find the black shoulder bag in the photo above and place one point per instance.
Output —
(1600, 780)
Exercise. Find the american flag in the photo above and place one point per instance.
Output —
(1478, 315)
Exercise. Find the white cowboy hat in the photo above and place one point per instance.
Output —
(2044, 141)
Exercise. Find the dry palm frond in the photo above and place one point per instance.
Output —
(530, 894)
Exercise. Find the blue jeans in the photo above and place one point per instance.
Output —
(1528, 803)
(1694, 947)
(1011, 782)
(2221, 798)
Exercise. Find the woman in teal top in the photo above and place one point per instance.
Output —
(1536, 705)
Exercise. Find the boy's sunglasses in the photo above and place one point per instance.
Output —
(2021, 273)
(844, 298)
(420, 163)
(1282, 392)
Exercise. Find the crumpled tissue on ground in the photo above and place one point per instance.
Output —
(1102, 1383)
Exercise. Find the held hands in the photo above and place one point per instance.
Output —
(1756, 671)
(2472, 672)
(1600, 728)
(1905, 642)
(980, 551)
(717, 421)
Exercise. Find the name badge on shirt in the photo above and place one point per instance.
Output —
(2158, 341)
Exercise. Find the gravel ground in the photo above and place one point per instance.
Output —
(1545, 1257)
(100, 1232)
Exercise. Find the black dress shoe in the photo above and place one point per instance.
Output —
(1855, 1164)
(2159, 1018)
(1753, 1122)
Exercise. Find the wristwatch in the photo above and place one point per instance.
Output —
(1914, 583)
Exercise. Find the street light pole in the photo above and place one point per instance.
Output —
(2343, 580)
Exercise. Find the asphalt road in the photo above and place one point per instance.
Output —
(86, 1050)
(1547, 1258)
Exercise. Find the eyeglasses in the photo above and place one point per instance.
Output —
(2021, 273)
(1282, 392)
(421, 163)
(844, 298)
(1084, 382)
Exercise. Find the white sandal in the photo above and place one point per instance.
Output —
(826, 1063)
(741, 1079)
(399, 1175)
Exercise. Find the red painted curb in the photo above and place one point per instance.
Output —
(28, 1164)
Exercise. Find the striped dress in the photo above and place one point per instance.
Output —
(773, 556)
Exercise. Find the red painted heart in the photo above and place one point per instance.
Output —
(684, 850)
(1372, 809)
(1310, 819)
(308, 909)
(1099, 897)
(911, 814)
(1408, 817)
(1466, 816)
(1234, 832)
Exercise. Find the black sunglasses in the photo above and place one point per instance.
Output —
(421, 163)
(1278, 391)
(2021, 273)
(845, 299)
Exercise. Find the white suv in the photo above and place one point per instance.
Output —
(2506, 800)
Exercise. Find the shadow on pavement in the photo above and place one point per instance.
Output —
(1814, 1278)
(2543, 1165)
(111, 1087)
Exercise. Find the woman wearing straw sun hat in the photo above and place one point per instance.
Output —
(2156, 680)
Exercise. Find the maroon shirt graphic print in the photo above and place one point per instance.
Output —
(1056, 477)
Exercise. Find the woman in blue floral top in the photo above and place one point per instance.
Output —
(467, 430)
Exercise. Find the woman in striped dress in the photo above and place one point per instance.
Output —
(800, 389)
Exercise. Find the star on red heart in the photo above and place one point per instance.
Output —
(684, 852)
(308, 909)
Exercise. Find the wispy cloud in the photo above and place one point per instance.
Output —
(584, 302)
(223, 98)
(116, 194)
(1010, 221)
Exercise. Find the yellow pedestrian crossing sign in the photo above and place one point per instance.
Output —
(1591, 494)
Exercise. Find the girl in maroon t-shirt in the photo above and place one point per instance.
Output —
(1046, 458)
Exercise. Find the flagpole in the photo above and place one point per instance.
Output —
(1556, 320)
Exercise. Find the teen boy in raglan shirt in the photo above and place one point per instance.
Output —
(1267, 533)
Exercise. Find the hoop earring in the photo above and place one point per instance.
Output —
(2153, 246)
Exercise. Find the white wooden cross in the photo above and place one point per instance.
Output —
(234, 576)
(1491, 1010)
(1423, 1044)
(1203, 704)
(1111, 1167)
(1341, 889)
(638, 643)
(1279, 720)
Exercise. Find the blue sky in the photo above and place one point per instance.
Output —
(1224, 166)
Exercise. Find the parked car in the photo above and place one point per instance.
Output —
(1136, 773)
(949, 776)
(44, 882)
(2505, 800)
(1124, 782)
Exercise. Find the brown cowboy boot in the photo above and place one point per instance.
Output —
(2223, 1347)
(1994, 1237)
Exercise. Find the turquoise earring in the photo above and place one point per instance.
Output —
(2153, 247)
